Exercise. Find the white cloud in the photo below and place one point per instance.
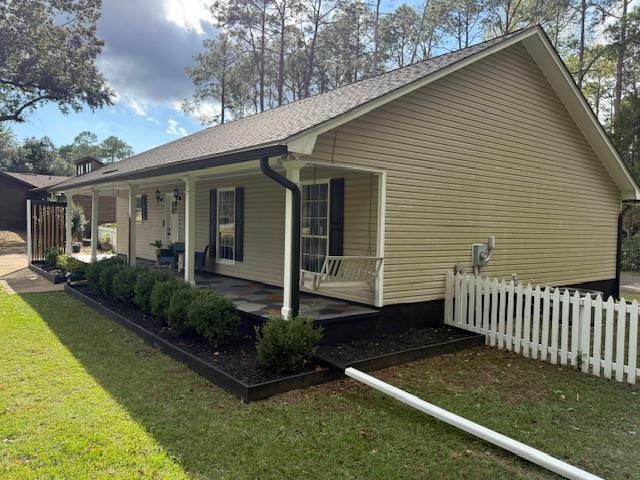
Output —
(190, 15)
(138, 107)
(173, 128)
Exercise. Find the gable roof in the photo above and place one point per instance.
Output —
(294, 126)
(35, 180)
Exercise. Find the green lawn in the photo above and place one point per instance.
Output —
(80, 397)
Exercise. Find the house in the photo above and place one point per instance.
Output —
(371, 192)
(15, 189)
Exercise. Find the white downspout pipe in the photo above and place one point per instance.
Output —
(528, 453)
(94, 225)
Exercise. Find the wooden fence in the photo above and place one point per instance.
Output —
(559, 326)
(46, 228)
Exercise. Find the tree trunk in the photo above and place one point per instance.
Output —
(617, 98)
(580, 72)
(375, 37)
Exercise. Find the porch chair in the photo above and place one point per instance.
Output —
(200, 259)
(167, 257)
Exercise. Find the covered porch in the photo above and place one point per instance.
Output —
(232, 227)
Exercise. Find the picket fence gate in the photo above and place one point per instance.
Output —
(562, 326)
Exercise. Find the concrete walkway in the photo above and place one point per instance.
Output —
(15, 277)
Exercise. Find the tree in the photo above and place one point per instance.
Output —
(85, 144)
(113, 149)
(39, 155)
(213, 72)
(8, 149)
(460, 20)
(48, 51)
(399, 36)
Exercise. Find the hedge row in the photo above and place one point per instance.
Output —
(183, 307)
(283, 345)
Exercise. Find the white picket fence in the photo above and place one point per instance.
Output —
(559, 326)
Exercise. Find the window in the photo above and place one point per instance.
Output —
(315, 225)
(226, 224)
(141, 208)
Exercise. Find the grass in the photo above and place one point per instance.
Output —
(80, 397)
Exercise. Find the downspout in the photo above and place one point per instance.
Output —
(295, 230)
(627, 204)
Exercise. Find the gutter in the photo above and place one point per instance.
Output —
(627, 205)
(178, 167)
(295, 231)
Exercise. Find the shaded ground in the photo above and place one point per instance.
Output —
(12, 242)
(80, 397)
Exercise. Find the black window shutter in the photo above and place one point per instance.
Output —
(144, 207)
(336, 216)
(213, 212)
(239, 247)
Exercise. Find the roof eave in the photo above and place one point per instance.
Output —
(179, 167)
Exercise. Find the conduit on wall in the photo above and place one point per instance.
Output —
(524, 451)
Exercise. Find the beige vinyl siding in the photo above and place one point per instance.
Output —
(150, 229)
(264, 221)
(488, 150)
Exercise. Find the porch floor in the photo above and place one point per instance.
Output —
(263, 300)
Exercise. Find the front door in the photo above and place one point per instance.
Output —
(171, 225)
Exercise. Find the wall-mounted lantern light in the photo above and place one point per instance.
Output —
(159, 199)
(176, 195)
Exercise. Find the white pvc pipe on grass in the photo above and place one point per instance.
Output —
(502, 441)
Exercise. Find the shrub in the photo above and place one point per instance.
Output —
(161, 297)
(78, 220)
(70, 264)
(51, 256)
(177, 310)
(93, 271)
(631, 253)
(124, 283)
(212, 316)
(286, 345)
(107, 273)
(145, 283)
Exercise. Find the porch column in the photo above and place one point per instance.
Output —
(132, 224)
(94, 225)
(292, 168)
(189, 229)
(67, 226)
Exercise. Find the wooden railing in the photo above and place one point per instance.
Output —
(345, 270)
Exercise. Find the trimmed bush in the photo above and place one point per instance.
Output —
(93, 271)
(161, 297)
(286, 345)
(145, 282)
(212, 316)
(124, 283)
(631, 254)
(107, 273)
(177, 310)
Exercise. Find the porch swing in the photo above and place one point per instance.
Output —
(353, 272)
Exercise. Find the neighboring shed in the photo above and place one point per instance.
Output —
(15, 188)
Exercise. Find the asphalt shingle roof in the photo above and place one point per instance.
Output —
(37, 180)
(274, 126)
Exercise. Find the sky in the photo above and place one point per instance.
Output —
(148, 44)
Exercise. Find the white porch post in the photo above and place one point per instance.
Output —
(189, 229)
(67, 226)
(29, 233)
(94, 225)
(380, 227)
(132, 224)
(293, 168)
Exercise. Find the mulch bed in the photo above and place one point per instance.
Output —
(356, 350)
(238, 358)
